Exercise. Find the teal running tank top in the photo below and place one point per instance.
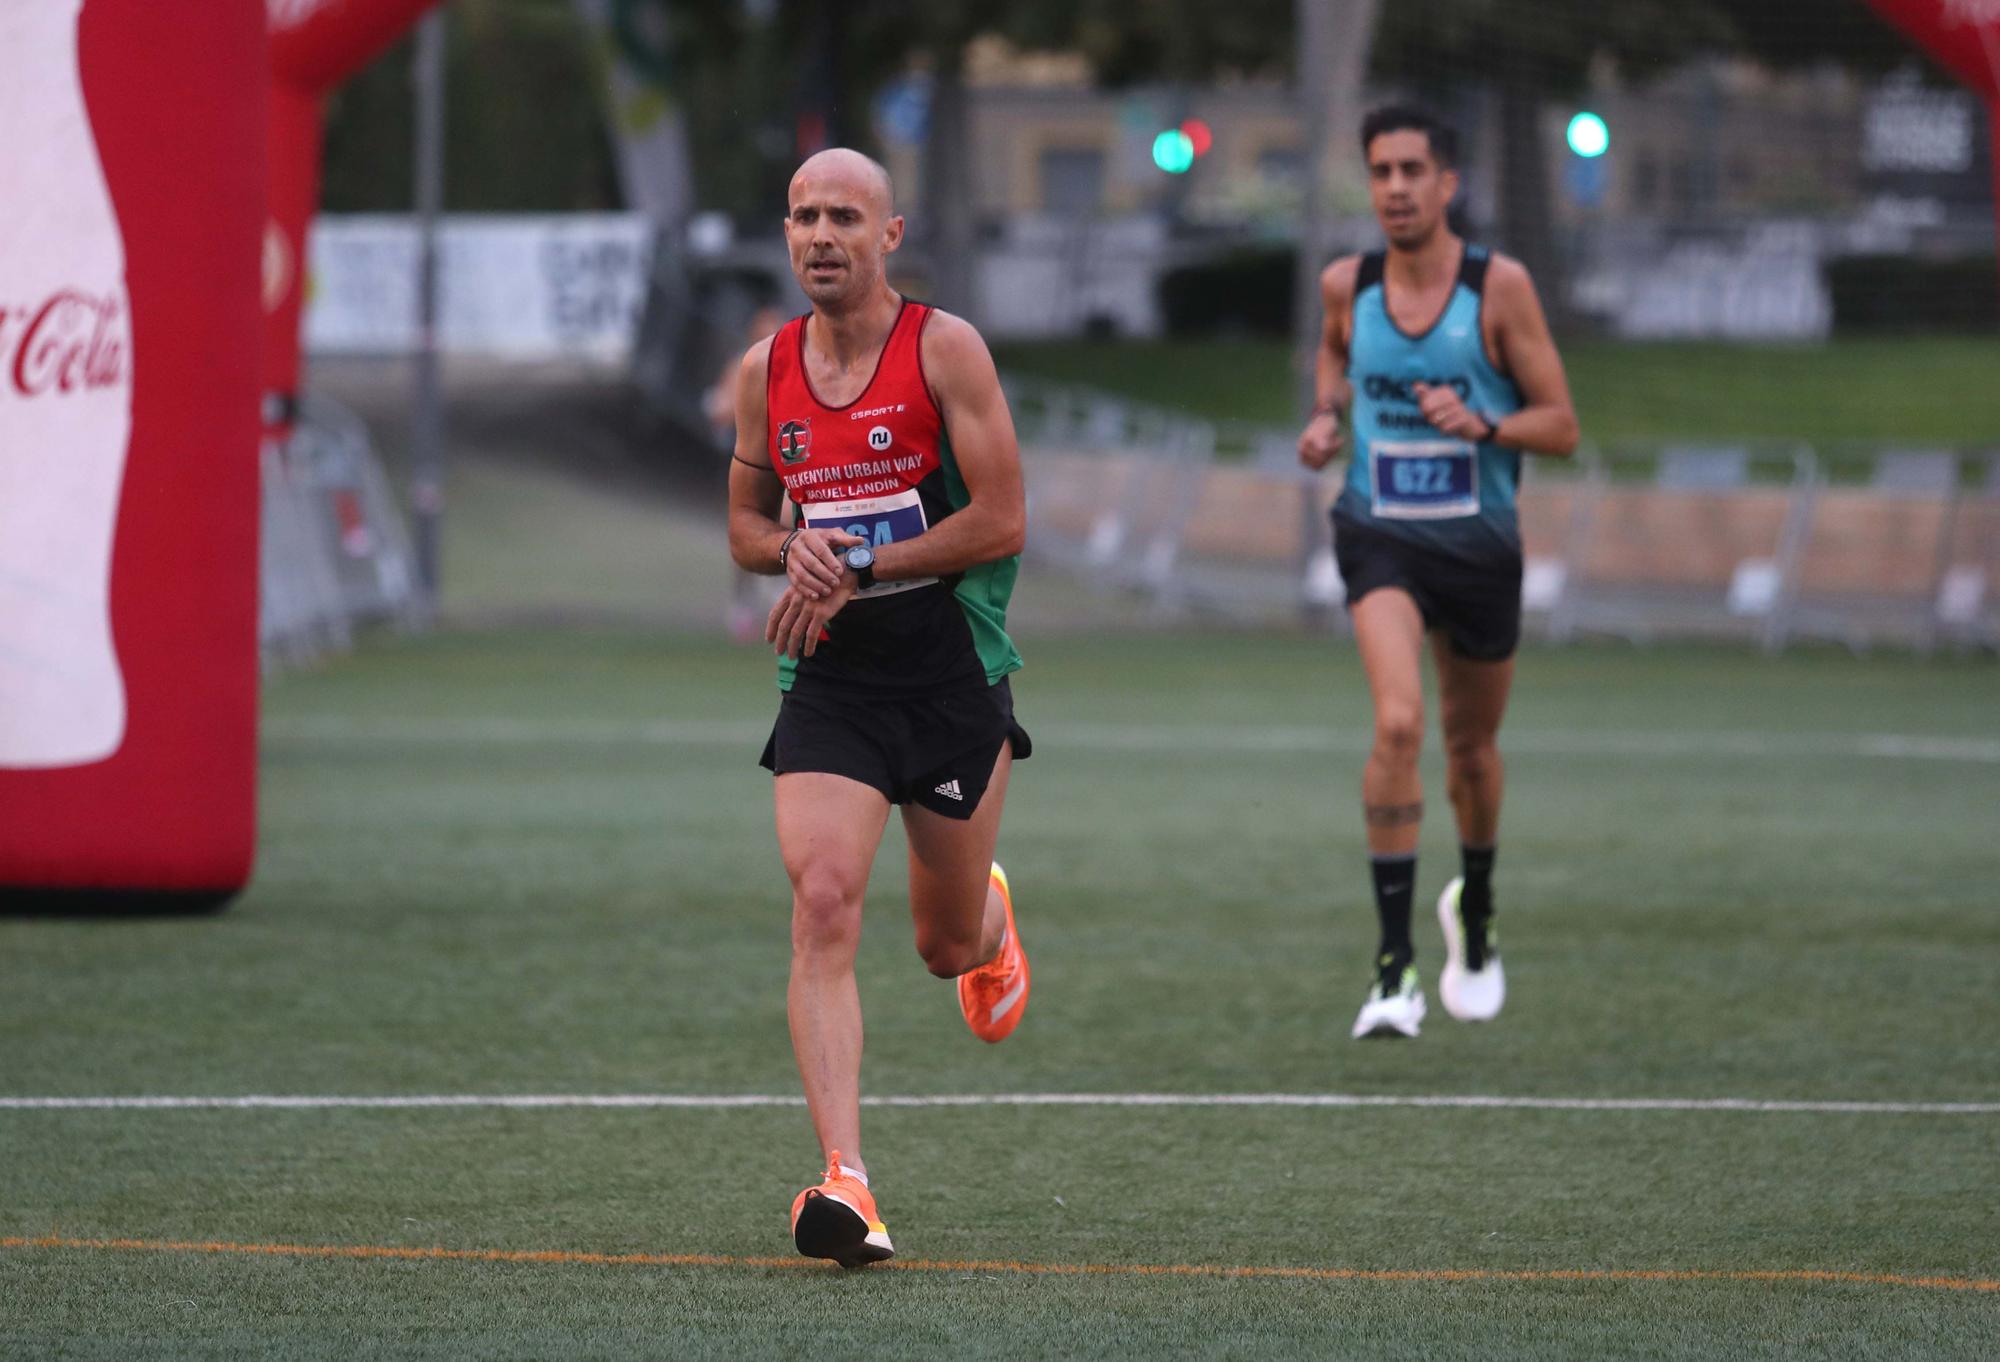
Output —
(1407, 478)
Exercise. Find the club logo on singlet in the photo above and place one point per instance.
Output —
(879, 438)
(795, 441)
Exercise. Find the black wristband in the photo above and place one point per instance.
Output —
(1492, 429)
(786, 548)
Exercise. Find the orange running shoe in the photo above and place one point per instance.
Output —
(837, 1220)
(994, 996)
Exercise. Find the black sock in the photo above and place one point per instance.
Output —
(1395, 889)
(1476, 899)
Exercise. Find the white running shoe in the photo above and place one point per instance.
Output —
(1395, 1007)
(1470, 995)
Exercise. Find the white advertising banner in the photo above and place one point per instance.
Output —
(530, 287)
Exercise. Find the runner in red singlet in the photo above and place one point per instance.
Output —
(883, 421)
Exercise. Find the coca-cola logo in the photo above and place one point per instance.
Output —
(73, 341)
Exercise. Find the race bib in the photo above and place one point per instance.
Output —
(1423, 479)
(875, 521)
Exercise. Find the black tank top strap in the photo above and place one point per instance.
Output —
(1370, 273)
(1472, 272)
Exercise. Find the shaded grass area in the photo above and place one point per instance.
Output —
(1850, 391)
(526, 542)
(543, 863)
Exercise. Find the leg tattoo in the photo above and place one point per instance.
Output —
(1392, 815)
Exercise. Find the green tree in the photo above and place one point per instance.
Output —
(1534, 50)
(753, 79)
(1791, 33)
(1531, 52)
(523, 131)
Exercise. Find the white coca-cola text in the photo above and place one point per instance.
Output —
(73, 341)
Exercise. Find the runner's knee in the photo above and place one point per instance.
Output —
(826, 913)
(1470, 757)
(1399, 731)
(946, 952)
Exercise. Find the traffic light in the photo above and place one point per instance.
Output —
(1587, 173)
(1589, 136)
(1175, 150)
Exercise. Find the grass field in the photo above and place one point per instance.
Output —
(1846, 393)
(517, 863)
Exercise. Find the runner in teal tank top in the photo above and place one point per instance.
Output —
(1406, 477)
(1440, 352)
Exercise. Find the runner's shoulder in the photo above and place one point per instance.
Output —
(1507, 279)
(753, 376)
(757, 359)
(1336, 281)
(947, 336)
(952, 351)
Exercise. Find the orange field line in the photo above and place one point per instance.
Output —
(1320, 1274)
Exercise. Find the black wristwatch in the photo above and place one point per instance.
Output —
(861, 559)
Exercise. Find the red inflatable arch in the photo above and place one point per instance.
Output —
(315, 45)
(137, 335)
(134, 166)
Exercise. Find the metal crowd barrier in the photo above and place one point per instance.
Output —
(1753, 542)
(335, 553)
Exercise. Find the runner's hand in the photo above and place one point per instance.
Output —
(797, 621)
(1443, 408)
(812, 564)
(1322, 441)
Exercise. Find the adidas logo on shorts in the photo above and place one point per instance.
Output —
(950, 790)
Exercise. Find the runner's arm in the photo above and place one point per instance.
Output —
(1546, 423)
(994, 522)
(1322, 439)
(756, 496)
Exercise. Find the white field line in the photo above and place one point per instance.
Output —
(713, 1102)
(454, 732)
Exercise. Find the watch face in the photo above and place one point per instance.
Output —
(860, 556)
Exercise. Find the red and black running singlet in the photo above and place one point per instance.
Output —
(881, 467)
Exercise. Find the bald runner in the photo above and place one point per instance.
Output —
(876, 470)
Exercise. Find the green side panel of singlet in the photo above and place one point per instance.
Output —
(983, 592)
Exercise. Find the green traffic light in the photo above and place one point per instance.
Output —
(1589, 137)
(1173, 151)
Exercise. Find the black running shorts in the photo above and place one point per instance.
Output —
(936, 751)
(1476, 603)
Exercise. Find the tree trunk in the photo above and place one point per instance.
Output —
(950, 216)
(1527, 215)
(1334, 40)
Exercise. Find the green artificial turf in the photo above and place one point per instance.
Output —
(542, 863)
(1833, 396)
